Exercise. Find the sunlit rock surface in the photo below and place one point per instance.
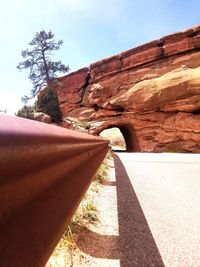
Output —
(151, 93)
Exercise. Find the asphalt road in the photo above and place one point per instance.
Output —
(158, 209)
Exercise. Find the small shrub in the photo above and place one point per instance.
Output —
(48, 103)
(26, 112)
(102, 173)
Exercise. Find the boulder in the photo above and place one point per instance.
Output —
(177, 90)
(42, 117)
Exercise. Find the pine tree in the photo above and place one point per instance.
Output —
(38, 61)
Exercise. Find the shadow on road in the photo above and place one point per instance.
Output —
(135, 245)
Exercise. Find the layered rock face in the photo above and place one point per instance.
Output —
(151, 92)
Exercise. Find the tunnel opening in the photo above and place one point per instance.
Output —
(116, 138)
(122, 137)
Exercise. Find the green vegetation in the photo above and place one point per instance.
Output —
(26, 112)
(48, 103)
(102, 172)
(42, 69)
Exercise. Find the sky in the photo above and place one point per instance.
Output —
(91, 30)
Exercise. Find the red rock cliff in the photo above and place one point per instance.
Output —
(151, 92)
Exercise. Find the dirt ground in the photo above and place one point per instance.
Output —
(99, 243)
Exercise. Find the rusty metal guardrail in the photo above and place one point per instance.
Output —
(44, 172)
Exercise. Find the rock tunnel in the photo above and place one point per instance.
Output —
(128, 134)
(150, 92)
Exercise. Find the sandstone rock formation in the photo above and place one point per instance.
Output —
(151, 92)
(40, 116)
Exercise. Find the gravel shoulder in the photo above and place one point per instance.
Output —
(99, 242)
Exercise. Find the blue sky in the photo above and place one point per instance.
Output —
(91, 30)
